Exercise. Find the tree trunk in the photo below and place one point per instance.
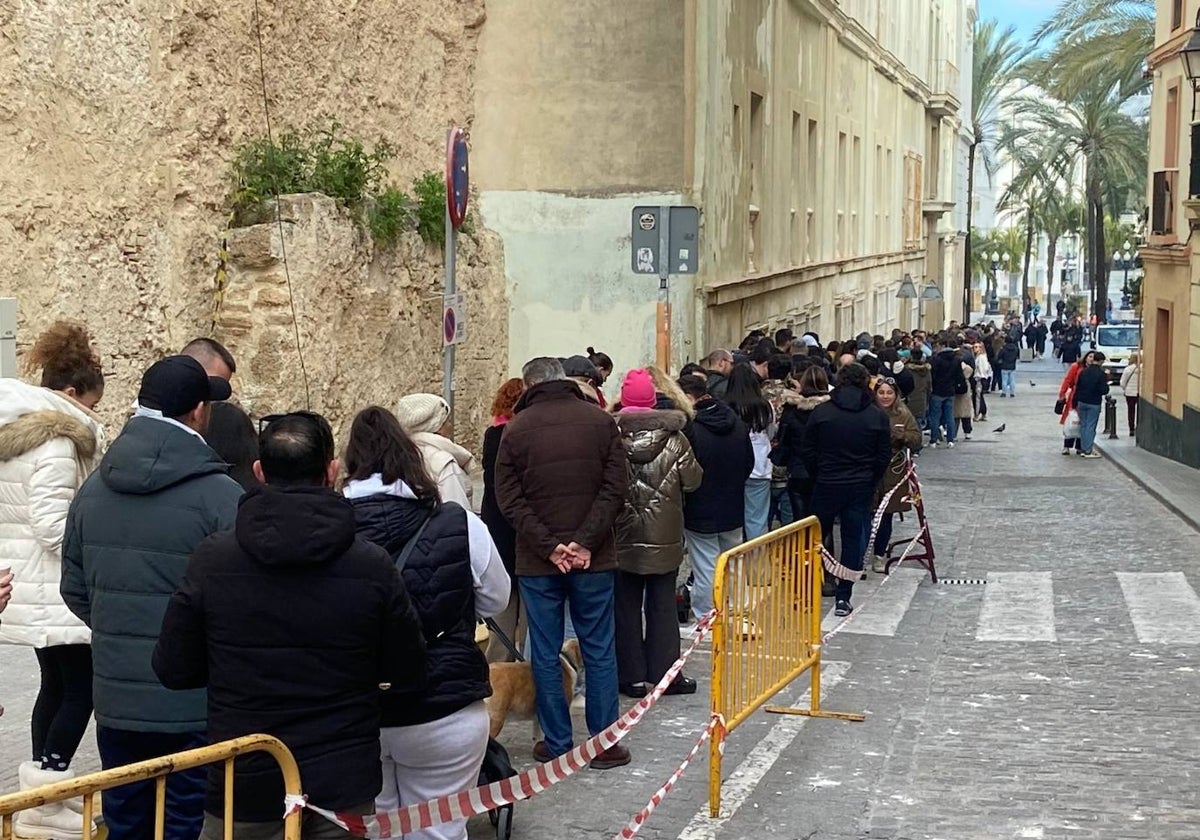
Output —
(968, 256)
(1051, 254)
(1028, 253)
(1100, 263)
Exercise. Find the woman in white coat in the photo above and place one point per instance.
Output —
(49, 443)
(426, 419)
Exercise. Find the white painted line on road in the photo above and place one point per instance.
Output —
(1163, 606)
(883, 610)
(741, 783)
(1017, 607)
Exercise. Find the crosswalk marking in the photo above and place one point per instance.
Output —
(882, 613)
(1017, 607)
(1163, 607)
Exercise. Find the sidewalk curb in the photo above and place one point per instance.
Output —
(1150, 486)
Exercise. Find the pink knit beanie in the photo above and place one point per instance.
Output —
(637, 391)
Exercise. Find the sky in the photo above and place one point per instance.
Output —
(1025, 15)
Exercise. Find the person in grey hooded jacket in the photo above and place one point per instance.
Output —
(159, 491)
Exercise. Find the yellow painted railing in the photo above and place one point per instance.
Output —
(767, 632)
(158, 769)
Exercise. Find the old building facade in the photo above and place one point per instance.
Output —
(1169, 423)
(823, 143)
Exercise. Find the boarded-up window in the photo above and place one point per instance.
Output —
(913, 185)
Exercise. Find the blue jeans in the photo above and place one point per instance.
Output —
(704, 549)
(1089, 418)
(941, 413)
(589, 597)
(1008, 382)
(851, 503)
(129, 809)
(758, 507)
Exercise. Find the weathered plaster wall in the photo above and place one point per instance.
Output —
(570, 285)
(117, 124)
(580, 117)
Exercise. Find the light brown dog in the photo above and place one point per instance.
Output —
(513, 693)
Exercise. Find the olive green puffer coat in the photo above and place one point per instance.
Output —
(662, 469)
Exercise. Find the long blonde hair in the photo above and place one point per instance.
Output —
(670, 388)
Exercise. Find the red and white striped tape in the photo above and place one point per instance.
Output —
(915, 487)
(844, 572)
(507, 791)
(715, 728)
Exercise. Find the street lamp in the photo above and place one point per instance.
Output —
(993, 304)
(1125, 259)
(1191, 66)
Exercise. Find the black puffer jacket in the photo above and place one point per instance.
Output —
(721, 443)
(293, 622)
(848, 439)
(503, 534)
(788, 439)
(438, 578)
(1008, 355)
(945, 372)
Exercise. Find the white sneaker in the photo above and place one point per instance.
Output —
(966, 437)
(950, 444)
(934, 445)
(1066, 450)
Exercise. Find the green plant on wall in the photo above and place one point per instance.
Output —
(325, 160)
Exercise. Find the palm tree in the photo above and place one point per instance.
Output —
(1090, 38)
(998, 57)
(1060, 215)
(1093, 130)
(1039, 193)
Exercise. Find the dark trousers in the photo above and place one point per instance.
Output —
(129, 809)
(645, 652)
(63, 705)
(884, 535)
(852, 504)
(1131, 410)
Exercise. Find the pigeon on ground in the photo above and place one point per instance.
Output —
(1003, 426)
(1032, 384)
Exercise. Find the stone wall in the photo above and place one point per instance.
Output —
(117, 125)
(369, 321)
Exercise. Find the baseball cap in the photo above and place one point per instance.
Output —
(581, 366)
(177, 384)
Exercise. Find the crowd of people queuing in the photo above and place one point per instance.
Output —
(204, 577)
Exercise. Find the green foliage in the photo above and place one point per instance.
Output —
(389, 215)
(325, 160)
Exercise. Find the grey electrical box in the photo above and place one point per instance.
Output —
(8, 337)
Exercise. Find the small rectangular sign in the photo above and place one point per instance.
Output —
(646, 238)
(682, 240)
(454, 320)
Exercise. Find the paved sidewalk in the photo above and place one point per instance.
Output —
(1174, 484)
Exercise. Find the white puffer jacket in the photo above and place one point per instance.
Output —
(48, 445)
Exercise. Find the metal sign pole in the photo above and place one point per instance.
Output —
(663, 313)
(8, 338)
(448, 351)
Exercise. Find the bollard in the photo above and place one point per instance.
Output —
(1110, 417)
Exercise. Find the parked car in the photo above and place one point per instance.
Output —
(1116, 342)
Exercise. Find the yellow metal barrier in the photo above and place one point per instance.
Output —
(767, 632)
(158, 769)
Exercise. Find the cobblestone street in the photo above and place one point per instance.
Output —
(1054, 701)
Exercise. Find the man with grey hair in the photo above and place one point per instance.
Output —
(718, 363)
(561, 480)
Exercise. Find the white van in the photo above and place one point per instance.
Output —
(1117, 341)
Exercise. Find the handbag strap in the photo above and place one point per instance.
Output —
(406, 552)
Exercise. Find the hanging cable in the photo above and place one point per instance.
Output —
(262, 73)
